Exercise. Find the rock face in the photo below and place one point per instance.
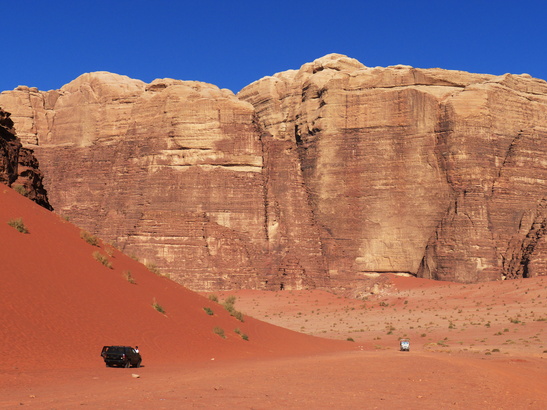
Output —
(174, 173)
(309, 178)
(432, 172)
(9, 149)
(18, 166)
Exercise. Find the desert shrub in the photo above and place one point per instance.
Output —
(158, 307)
(90, 239)
(238, 315)
(20, 189)
(102, 259)
(229, 306)
(18, 224)
(350, 339)
(230, 300)
(219, 331)
(127, 275)
(213, 298)
(209, 311)
(152, 267)
(495, 350)
(243, 335)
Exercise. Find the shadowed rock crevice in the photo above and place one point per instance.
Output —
(19, 167)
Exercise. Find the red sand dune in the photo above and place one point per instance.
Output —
(59, 306)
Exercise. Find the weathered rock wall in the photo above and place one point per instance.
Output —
(432, 172)
(19, 167)
(314, 177)
(9, 149)
(174, 173)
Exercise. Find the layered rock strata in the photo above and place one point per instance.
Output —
(176, 173)
(432, 172)
(317, 177)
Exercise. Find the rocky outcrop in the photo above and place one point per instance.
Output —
(432, 172)
(175, 173)
(317, 177)
(9, 149)
(19, 167)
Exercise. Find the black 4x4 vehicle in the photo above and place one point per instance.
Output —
(123, 356)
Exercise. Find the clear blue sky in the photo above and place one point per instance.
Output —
(232, 43)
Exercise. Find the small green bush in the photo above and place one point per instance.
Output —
(229, 306)
(238, 315)
(213, 298)
(127, 275)
(102, 259)
(152, 267)
(350, 339)
(90, 239)
(243, 335)
(209, 311)
(158, 307)
(18, 224)
(20, 189)
(219, 331)
(230, 300)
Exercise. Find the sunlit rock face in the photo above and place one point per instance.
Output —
(174, 172)
(316, 177)
(432, 172)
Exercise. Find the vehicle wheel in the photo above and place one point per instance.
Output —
(127, 364)
(138, 364)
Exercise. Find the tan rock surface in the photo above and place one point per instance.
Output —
(400, 160)
(173, 173)
(304, 179)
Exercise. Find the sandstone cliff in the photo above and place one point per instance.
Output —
(174, 173)
(18, 166)
(311, 177)
(432, 172)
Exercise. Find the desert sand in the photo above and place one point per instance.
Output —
(472, 346)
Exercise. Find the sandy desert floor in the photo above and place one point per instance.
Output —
(472, 346)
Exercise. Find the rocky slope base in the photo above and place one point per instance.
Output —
(317, 177)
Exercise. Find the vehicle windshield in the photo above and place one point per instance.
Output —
(115, 349)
